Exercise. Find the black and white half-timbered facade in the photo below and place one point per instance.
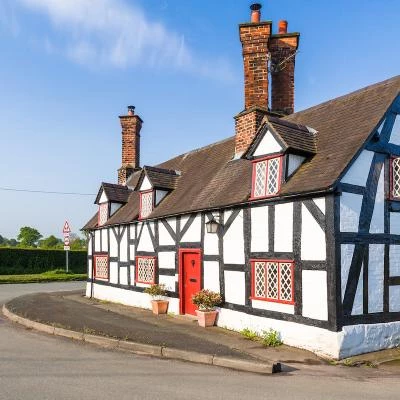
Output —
(295, 220)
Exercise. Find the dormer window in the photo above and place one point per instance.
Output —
(267, 176)
(395, 178)
(146, 203)
(103, 214)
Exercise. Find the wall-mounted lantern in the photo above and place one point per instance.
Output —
(213, 224)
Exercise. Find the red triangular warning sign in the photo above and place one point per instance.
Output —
(66, 228)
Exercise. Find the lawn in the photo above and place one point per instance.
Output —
(49, 276)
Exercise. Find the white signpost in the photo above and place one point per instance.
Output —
(66, 232)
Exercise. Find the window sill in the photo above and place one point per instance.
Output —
(273, 300)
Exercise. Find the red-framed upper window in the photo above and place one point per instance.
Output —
(103, 214)
(145, 269)
(267, 177)
(101, 266)
(146, 203)
(272, 280)
(395, 178)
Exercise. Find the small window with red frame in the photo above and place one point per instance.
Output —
(395, 178)
(267, 175)
(272, 280)
(146, 203)
(145, 269)
(103, 214)
(101, 266)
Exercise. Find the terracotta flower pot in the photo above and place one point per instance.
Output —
(159, 306)
(206, 318)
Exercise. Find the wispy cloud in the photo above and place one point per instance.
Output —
(117, 34)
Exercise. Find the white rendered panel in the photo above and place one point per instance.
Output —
(313, 244)
(358, 299)
(113, 244)
(284, 227)
(346, 251)
(89, 269)
(394, 260)
(272, 306)
(395, 223)
(211, 276)
(267, 145)
(113, 272)
(166, 259)
(168, 281)
(315, 295)
(394, 298)
(132, 246)
(395, 135)
(377, 220)
(233, 240)
(320, 202)
(294, 162)
(114, 207)
(172, 223)
(358, 172)
(160, 194)
(132, 282)
(145, 243)
(164, 236)
(123, 275)
(259, 229)
(146, 185)
(350, 208)
(103, 197)
(235, 287)
(210, 242)
(123, 246)
(375, 278)
(193, 234)
(104, 240)
(97, 246)
(90, 245)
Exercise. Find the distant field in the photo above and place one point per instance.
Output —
(49, 276)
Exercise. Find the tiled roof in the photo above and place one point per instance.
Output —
(211, 179)
(115, 193)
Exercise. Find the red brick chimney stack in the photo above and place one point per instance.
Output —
(131, 125)
(259, 48)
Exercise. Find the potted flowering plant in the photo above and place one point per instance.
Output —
(159, 304)
(206, 300)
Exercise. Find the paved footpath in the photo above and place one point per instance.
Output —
(40, 366)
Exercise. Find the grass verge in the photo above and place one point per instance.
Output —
(57, 275)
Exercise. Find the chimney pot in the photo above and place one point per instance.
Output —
(131, 110)
(282, 26)
(255, 13)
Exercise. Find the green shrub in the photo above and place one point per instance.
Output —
(271, 338)
(15, 261)
(156, 290)
(206, 299)
(249, 334)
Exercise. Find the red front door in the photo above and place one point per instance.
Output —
(190, 279)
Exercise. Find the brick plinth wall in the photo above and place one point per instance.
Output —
(282, 81)
(131, 125)
(247, 124)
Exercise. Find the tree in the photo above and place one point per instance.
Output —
(28, 236)
(3, 241)
(51, 242)
(12, 243)
(77, 243)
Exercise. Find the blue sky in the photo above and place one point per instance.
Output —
(70, 67)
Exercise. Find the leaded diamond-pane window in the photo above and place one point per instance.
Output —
(103, 213)
(273, 280)
(396, 178)
(145, 269)
(101, 267)
(266, 177)
(146, 204)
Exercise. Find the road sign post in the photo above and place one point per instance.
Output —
(66, 232)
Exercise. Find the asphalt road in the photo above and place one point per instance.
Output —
(38, 366)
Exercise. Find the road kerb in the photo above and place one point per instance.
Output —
(187, 355)
(243, 365)
(147, 349)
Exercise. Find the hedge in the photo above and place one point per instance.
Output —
(14, 261)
